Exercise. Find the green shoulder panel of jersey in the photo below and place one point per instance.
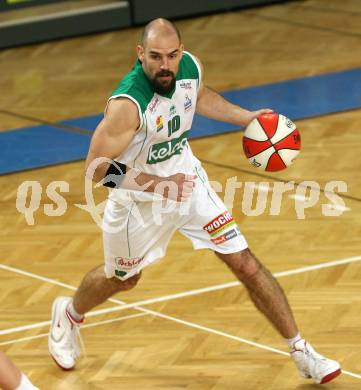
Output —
(136, 85)
(187, 68)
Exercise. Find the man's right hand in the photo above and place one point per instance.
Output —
(178, 187)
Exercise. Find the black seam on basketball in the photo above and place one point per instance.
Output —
(255, 140)
(285, 136)
(271, 146)
(278, 118)
(269, 139)
(285, 165)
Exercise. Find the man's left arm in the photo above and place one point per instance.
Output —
(212, 105)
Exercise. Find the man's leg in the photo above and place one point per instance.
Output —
(264, 290)
(67, 313)
(11, 377)
(96, 288)
(270, 299)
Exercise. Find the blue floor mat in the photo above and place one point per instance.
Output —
(39, 146)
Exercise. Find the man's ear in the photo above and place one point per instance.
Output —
(140, 53)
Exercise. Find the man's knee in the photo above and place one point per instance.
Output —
(241, 263)
(128, 284)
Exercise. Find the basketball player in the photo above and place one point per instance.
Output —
(144, 136)
(11, 378)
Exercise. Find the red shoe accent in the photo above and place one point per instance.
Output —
(72, 319)
(63, 368)
(296, 350)
(331, 376)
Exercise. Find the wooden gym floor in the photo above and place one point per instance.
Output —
(202, 339)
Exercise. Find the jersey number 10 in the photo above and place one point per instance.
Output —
(173, 125)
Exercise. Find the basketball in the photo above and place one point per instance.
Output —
(271, 142)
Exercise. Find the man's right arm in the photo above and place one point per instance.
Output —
(112, 137)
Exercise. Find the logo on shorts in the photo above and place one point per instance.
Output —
(219, 227)
(225, 237)
(124, 264)
(220, 223)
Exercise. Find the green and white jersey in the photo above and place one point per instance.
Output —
(160, 146)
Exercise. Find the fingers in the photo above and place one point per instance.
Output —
(187, 191)
(186, 187)
(264, 111)
(179, 187)
(190, 177)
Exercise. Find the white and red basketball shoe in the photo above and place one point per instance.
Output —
(64, 335)
(311, 364)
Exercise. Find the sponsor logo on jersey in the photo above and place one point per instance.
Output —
(186, 84)
(172, 110)
(165, 150)
(159, 123)
(225, 237)
(219, 224)
(187, 103)
(153, 104)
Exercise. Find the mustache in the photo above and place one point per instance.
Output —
(164, 73)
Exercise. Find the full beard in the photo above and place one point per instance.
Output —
(161, 86)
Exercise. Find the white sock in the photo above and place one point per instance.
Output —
(73, 313)
(291, 342)
(25, 384)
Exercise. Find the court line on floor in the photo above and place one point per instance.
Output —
(61, 126)
(41, 335)
(57, 283)
(308, 26)
(254, 172)
(136, 305)
(182, 322)
(329, 9)
(197, 326)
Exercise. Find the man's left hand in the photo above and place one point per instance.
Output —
(254, 114)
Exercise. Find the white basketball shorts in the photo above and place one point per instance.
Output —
(136, 234)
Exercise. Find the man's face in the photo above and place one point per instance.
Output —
(160, 60)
